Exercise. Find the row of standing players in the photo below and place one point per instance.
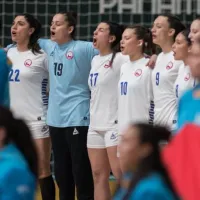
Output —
(122, 89)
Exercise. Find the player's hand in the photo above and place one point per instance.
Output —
(152, 61)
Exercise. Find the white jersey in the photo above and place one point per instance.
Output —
(135, 94)
(28, 81)
(103, 80)
(163, 78)
(184, 81)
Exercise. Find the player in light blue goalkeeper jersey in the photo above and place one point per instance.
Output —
(18, 163)
(189, 105)
(68, 110)
(5, 65)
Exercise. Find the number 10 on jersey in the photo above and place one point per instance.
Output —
(124, 88)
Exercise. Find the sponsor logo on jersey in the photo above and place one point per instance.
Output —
(113, 136)
(23, 189)
(169, 65)
(187, 77)
(75, 132)
(69, 55)
(44, 128)
(28, 62)
(138, 72)
(108, 65)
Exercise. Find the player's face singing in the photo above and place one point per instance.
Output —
(60, 30)
(129, 43)
(195, 30)
(101, 37)
(20, 30)
(180, 47)
(194, 59)
(161, 32)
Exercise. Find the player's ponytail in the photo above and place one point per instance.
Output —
(143, 33)
(174, 23)
(33, 41)
(71, 19)
(117, 31)
(17, 132)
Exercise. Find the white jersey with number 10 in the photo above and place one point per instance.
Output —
(135, 94)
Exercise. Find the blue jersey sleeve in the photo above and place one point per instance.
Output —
(5, 65)
(46, 45)
(91, 51)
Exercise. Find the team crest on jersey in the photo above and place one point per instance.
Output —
(169, 65)
(138, 72)
(28, 62)
(69, 55)
(108, 65)
(187, 77)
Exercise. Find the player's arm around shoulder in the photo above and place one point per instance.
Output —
(119, 60)
(89, 50)
(46, 44)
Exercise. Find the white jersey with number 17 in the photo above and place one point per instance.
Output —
(103, 80)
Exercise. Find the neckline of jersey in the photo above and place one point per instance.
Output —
(167, 53)
(63, 46)
(138, 60)
(23, 52)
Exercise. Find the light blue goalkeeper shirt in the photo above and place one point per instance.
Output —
(69, 67)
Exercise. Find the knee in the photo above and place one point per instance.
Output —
(100, 175)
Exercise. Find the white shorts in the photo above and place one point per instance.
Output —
(102, 139)
(38, 130)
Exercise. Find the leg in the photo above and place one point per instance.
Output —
(62, 163)
(100, 165)
(81, 164)
(101, 171)
(111, 140)
(114, 162)
(46, 181)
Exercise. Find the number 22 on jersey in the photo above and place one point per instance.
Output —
(14, 75)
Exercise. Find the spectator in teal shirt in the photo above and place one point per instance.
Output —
(18, 159)
(145, 177)
(5, 65)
